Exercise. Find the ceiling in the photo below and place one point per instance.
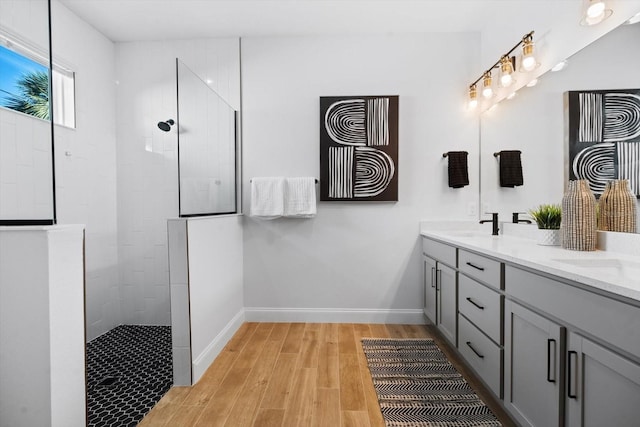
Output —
(134, 20)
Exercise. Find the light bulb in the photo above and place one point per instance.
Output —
(487, 91)
(506, 67)
(595, 9)
(528, 58)
(596, 13)
(473, 97)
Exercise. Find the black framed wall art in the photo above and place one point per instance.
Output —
(359, 148)
(604, 137)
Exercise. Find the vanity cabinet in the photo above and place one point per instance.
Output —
(599, 376)
(603, 388)
(532, 386)
(429, 266)
(557, 351)
(447, 308)
(440, 287)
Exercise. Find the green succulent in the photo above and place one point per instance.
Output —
(548, 217)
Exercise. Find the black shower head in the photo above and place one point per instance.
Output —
(166, 126)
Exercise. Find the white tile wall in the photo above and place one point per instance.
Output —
(86, 178)
(147, 160)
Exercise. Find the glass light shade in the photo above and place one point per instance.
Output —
(528, 58)
(506, 67)
(487, 90)
(473, 97)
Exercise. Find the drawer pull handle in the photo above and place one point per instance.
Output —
(572, 386)
(475, 303)
(551, 371)
(474, 350)
(475, 266)
(433, 277)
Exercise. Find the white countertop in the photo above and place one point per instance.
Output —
(612, 272)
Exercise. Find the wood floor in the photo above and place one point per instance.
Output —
(290, 375)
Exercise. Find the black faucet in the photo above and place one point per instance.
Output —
(516, 220)
(494, 221)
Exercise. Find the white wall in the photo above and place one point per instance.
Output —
(215, 286)
(86, 162)
(359, 260)
(207, 306)
(147, 159)
(42, 334)
(533, 122)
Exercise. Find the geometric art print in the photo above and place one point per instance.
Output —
(359, 148)
(604, 137)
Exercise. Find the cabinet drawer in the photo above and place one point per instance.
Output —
(484, 269)
(439, 251)
(481, 305)
(611, 320)
(484, 356)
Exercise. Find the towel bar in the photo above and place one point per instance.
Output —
(316, 180)
(447, 153)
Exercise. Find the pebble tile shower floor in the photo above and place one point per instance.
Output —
(128, 370)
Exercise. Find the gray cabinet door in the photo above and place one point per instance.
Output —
(603, 388)
(532, 392)
(430, 293)
(447, 301)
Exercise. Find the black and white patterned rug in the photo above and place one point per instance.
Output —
(128, 370)
(417, 386)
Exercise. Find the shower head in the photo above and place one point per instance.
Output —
(166, 126)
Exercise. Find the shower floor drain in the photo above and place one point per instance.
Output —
(109, 381)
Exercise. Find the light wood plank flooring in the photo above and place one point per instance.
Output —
(293, 374)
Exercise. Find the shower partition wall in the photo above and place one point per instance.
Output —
(206, 148)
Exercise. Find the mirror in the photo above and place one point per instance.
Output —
(26, 141)
(534, 123)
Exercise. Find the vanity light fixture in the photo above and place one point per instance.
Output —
(528, 58)
(473, 97)
(595, 12)
(487, 90)
(506, 69)
(507, 65)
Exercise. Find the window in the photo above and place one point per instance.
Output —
(24, 84)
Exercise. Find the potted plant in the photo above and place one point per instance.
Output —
(548, 218)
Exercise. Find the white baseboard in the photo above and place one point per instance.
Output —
(208, 355)
(335, 315)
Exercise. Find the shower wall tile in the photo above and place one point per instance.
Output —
(147, 159)
(86, 180)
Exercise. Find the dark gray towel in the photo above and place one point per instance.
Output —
(510, 168)
(458, 171)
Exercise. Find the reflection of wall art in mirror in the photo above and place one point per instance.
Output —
(359, 148)
(604, 137)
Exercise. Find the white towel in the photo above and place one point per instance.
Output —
(267, 197)
(300, 197)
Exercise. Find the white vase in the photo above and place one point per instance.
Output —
(548, 237)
